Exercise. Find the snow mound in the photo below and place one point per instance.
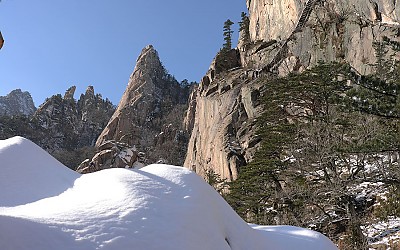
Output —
(28, 173)
(156, 207)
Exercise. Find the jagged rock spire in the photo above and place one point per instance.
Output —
(138, 100)
(89, 92)
(148, 61)
(150, 97)
(69, 94)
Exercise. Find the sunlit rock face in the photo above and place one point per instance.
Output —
(336, 30)
(150, 112)
(223, 135)
(272, 19)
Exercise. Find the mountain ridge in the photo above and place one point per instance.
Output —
(65, 127)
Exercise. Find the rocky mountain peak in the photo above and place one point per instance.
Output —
(148, 63)
(152, 99)
(149, 66)
(148, 56)
(89, 93)
(69, 94)
(87, 100)
(17, 102)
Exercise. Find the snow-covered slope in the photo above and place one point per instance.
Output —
(28, 173)
(43, 205)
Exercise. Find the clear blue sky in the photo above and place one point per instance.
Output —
(51, 45)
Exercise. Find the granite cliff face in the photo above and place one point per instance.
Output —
(284, 36)
(222, 117)
(291, 35)
(275, 20)
(17, 103)
(223, 135)
(150, 113)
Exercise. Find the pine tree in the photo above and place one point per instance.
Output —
(379, 93)
(298, 175)
(228, 35)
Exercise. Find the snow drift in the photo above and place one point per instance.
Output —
(44, 205)
(28, 173)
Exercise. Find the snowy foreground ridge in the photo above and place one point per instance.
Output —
(46, 206)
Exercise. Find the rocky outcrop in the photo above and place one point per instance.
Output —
(69, 94)
(113, 155)
(150, 112)
(57, 117)
(17, 103)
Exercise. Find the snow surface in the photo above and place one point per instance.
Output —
(28, 173)
(384, 232)
(46, 206)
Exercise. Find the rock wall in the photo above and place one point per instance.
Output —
(337, 30)
(223, 135)
(276, 19)
(272, 19)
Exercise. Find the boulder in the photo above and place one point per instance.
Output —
(113, 154)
